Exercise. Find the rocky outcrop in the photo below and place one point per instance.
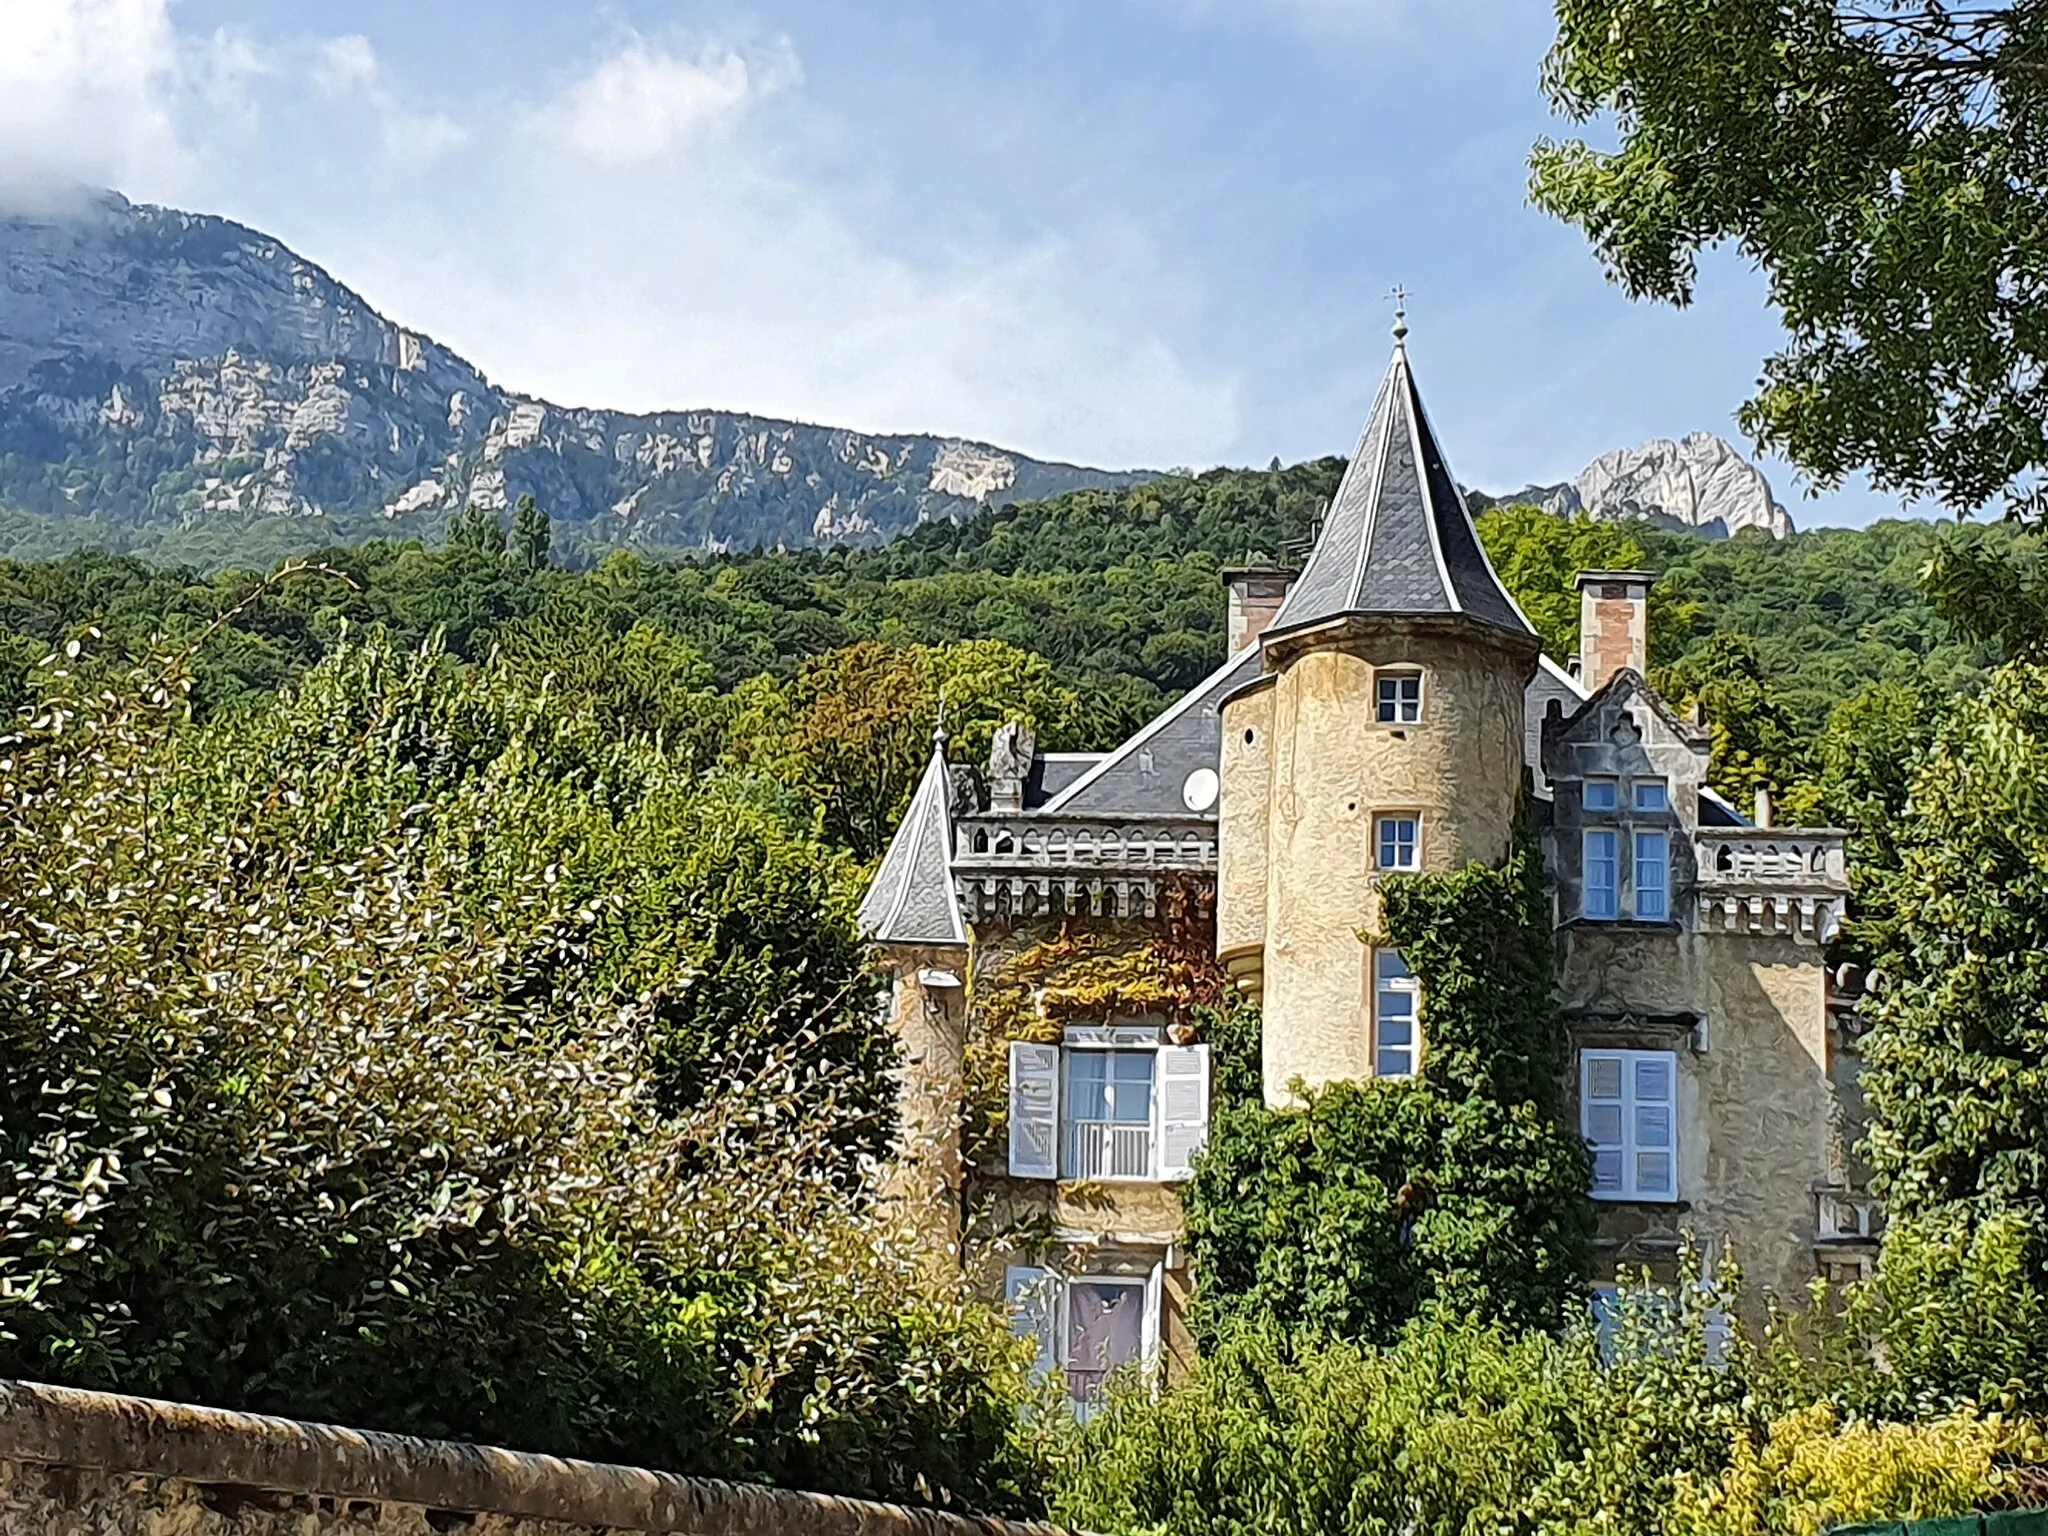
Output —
(159, 367)
(1700, 483)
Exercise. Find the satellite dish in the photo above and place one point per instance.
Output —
(1198, 793)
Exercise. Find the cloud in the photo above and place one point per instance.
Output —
(643, 101)
(86, 96)
(347, 67)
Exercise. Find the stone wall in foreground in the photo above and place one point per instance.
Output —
(75, 1462)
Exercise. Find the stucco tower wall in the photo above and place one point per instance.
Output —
(1246, 767)
(1334, 767)
(929, 1024)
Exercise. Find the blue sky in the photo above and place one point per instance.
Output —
(1118, 232)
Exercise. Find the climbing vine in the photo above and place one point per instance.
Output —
(1460, 1191)
(1032, 981)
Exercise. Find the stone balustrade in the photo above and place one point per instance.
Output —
(1016, 868)
(1769, 880)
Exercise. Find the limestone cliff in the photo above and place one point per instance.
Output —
(167, 368)
(1699, 484)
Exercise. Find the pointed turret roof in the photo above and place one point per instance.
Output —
(911, 901)
(1397, 541)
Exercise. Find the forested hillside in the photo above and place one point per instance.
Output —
(1119, 594)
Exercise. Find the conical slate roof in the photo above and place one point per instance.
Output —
(1397, 541)
(911, 901)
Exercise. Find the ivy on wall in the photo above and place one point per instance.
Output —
(1031, 981)
(1460, 1191)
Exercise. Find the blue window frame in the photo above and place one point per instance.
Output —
(1602, 895)
(1652, 795)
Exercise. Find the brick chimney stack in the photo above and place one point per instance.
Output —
(1256, 593)
(1614, 624)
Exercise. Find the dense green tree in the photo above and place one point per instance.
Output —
(339, 1076)
(1885, 165)
(1757, 744)
(477, 531)
(532, 534)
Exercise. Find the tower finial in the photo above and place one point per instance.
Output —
(1400, 298)
(939, 737)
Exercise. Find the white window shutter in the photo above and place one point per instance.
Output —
(1034, 1111)
(1183, 1108)
(1028, 1296)
(1155, 1321)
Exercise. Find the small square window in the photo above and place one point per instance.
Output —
(1400, 697)
(1399, 843)
(1651, 795)
(1600, 795)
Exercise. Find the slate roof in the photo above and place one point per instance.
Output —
(1145, 776)
(1397, 540)
(911, 900)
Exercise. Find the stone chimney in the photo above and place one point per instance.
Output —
(1256, 593)
(1614, 624)
(1009, 767)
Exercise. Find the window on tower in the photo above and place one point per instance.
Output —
(1394, 996)
(1400, 697)
(1398, 842)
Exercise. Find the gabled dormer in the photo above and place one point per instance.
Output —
(1627, 778)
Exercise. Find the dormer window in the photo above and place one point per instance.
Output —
(1601, 794)
(1400, 696)
(1652, 795)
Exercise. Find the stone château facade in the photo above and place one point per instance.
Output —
(1052, 922)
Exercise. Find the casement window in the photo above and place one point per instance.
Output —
(1395, 993)
(1087, 1327)
(1399, 695)
(1628, 1114)
(1600, 794)
(1652, 795)
(1397, 842)
(1652, 876)
(1107, 1103)
(1600, 897)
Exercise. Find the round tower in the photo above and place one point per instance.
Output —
(1386, 734)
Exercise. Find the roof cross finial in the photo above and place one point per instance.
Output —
(939, 737)
(1400, 298)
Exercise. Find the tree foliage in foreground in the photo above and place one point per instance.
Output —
(339, 1052)
(1885, 164)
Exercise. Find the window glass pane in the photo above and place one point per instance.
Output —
(1603, 1124)
(1396, 1031)
(1391, 966)
(1600, 795)
(1131, 1096)
(1396, 1005)
(1105, 1330)
(1607, 1171)
(1653, 1173)
(1603, 1078)
(1653, 1080)
(1601, 893)
(1399, 836)
(1653, 1125)
(1395, 1062)
(1651, 795)
(1653, 875)
(1087, 1085)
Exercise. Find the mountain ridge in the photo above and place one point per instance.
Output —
(173, 380)
(161, 367)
